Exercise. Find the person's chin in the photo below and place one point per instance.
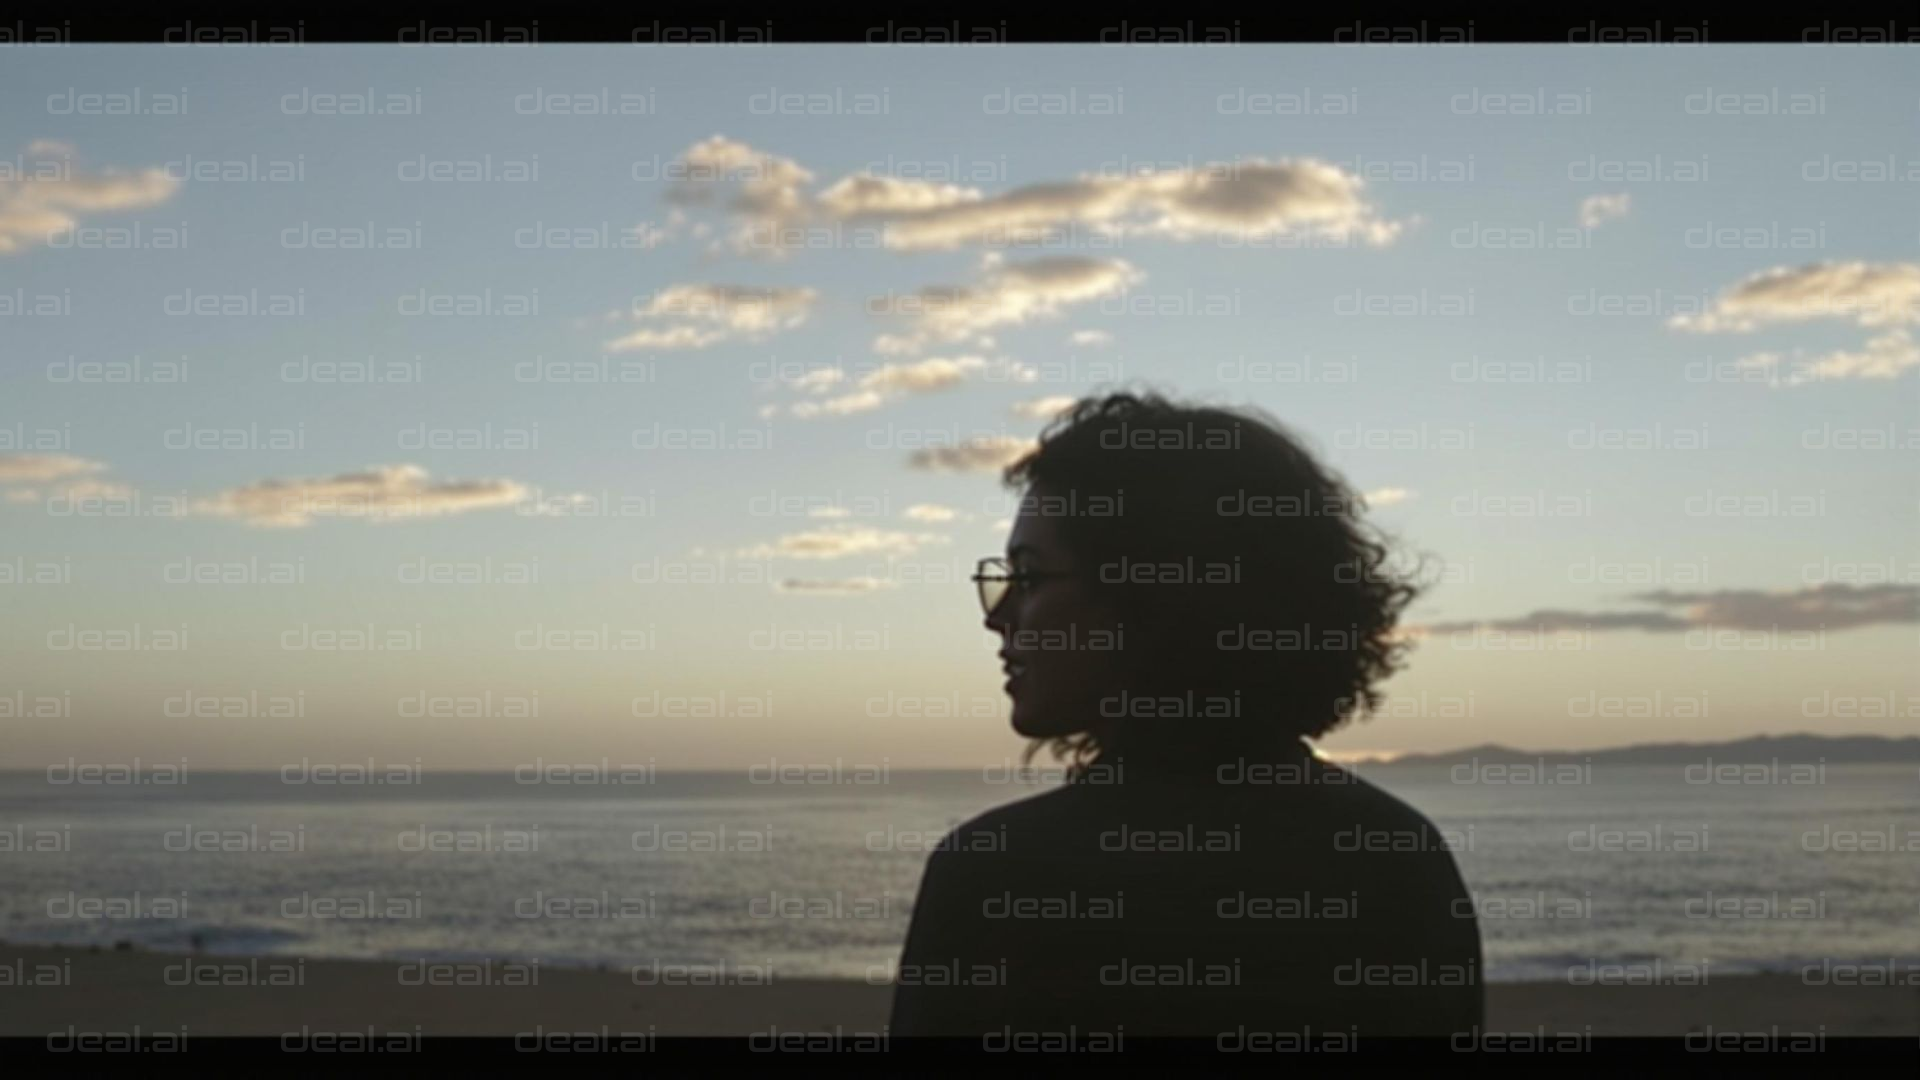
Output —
(1032, 723)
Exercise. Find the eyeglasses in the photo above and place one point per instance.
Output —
(994, 576)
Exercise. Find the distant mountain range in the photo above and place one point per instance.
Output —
(1761, 749)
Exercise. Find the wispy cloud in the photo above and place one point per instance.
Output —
(921, 376)
(35, 468)
(764, 191)
(858, 401)
(819, 380)
(1045, 408)
(1883, 295)
(768, 196)
(853, 586)
(985, 454)
(1549, 621)
(868, 195)
(1820, 607)
(382, 493)
(931, 512)
(1596, 210)
(46, 201)
(54, 475)
(87, 488)
(1869, 294)
(737, 307)
(886, 383)
(1387, 496)
(668, 337)
(1888, 356)
(843, 541)
(1831, 606)
(1251, 197)
(1008, 294)
(699, 316)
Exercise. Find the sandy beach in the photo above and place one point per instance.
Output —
(69, 992)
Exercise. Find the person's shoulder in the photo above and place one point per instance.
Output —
(1040, 806)
(1014, 826)
(1390, 823)
(1385, 801)
(1377, 807)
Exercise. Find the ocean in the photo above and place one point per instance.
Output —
(1589, 873)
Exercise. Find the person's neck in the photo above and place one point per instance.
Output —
(1192, 760)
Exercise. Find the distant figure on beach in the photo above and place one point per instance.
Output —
(1187, 595)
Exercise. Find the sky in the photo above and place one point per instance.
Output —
(479, 406)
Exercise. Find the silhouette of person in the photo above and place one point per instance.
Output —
(1186, 596)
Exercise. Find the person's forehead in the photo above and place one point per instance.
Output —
(1033, 530)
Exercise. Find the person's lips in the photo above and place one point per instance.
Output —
(1014, 668)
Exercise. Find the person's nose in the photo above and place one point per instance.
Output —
(999, 619)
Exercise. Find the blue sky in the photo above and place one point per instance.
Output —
(1697, 170)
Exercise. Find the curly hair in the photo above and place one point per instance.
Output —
(1307, 623)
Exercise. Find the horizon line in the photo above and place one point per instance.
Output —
(1348, 757)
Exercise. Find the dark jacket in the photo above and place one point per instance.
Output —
(1305, 904)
